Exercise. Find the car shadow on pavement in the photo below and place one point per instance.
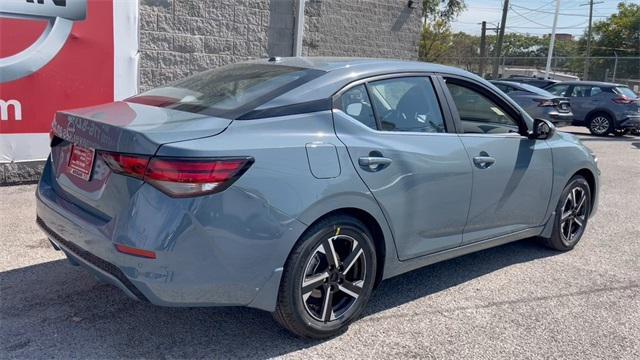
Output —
(57, 311)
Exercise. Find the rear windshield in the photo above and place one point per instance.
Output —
(536, 90)
(623, 90)
(228, 91)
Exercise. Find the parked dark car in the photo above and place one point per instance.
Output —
(538, 103)
(535, 81)
(602, 107)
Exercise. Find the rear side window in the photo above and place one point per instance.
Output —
(407, 104)
(623, 90)
(355, 103)
(228, 91)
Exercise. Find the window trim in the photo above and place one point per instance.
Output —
(514, 113)
(450, 126)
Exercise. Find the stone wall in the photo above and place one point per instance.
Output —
(366, 28)
(181, 37)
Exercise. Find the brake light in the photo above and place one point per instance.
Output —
(180, 177)
(623, 100)
(124, 164)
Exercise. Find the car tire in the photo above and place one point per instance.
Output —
(600, 124)
(571, 216)
(320, 295)
(620, 132)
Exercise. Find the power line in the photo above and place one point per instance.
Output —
(551, 12)
(544, 26)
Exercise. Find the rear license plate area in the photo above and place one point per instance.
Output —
(81, 161)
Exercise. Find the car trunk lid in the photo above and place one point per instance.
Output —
(119, 127)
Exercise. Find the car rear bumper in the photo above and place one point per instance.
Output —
(227, 250)
(630, 122)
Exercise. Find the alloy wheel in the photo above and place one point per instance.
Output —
(600, 125)
(333, 278)
(574, 215)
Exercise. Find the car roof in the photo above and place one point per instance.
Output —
(341, 71)
(589, 83)
(329, 63)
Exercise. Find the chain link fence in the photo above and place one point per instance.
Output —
(625, 70)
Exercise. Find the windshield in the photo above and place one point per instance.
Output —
(228, 91)
(623, 90)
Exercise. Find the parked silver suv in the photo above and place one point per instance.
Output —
(602, 107)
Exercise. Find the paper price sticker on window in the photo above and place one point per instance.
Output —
(497, 111)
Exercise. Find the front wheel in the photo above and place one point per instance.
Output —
(327, 279)
(572, 214)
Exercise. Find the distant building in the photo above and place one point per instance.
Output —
(561, 37)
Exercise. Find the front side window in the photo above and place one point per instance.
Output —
(479, 114)
(581, 91)
(355, 103)
(228, 91)
(407, 104)
(559, 90)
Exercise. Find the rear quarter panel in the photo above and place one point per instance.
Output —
(281, 176)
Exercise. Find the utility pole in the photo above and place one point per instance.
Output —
(552, 42)
(587, 61)
(483, 48)
(503, 23)
(615, 67)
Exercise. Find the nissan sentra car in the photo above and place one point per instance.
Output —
(296, 185)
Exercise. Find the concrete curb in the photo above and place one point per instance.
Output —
(27, 172)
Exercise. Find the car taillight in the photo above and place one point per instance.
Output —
(623, 100)
(125, 164)
(180, 177)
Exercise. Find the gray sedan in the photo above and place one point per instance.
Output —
(537, 102)
(296, 185)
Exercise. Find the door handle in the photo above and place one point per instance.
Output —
(483, 161)
(373, 163)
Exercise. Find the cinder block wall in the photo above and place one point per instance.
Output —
(181, 37)
(366, 28)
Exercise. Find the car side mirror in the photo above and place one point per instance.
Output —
(542, 129)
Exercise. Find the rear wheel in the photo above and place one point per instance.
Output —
(328, 278)
(572, 214)
(600, 124)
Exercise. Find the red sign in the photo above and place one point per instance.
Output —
(80, 74)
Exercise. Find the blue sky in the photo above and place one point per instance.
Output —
(532, 17)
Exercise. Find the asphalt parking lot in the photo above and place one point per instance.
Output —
(516, 301)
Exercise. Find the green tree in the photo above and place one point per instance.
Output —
(436, 35)
(619, 34)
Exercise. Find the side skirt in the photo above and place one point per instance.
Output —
(402, 267)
